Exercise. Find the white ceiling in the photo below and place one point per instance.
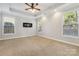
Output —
(43, 6)
(20, 7)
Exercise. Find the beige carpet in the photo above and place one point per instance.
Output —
(36, 46)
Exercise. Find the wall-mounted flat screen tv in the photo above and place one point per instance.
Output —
(27, 24)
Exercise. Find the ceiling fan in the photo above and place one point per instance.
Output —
(32, 6)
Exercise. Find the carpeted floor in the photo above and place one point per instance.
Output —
(36, 46)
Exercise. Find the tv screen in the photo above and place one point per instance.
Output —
(27, 24)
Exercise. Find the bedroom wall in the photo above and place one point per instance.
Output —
(0, 26)
(20, 31)
(19, 19)
(52, 24)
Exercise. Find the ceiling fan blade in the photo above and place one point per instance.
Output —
(36, 3)
(27, 4)
(32, 5)
(37, 9)
(27, 8)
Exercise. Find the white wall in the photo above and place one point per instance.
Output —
(52, 24)
(20, 31)
(0, 26)
(19, 19)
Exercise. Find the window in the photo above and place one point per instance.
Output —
(8, 25)
(70, 26)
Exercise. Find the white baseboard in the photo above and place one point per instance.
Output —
(16, 37)
(71, 43)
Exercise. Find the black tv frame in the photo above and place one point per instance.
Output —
(29, 25)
